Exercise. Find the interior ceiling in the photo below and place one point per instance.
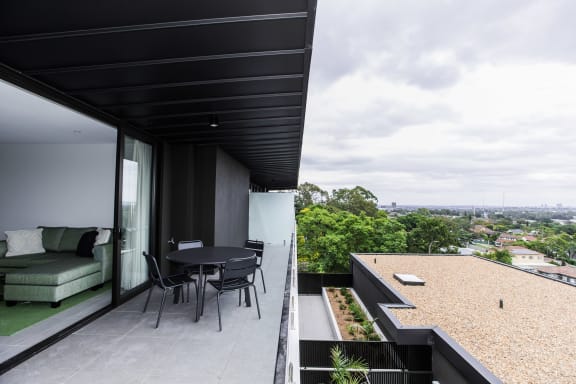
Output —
(166, 67)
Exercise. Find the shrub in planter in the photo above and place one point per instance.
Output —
(347, 370)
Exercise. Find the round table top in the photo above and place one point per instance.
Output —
(208, 255)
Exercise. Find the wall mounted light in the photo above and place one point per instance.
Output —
(214, 121)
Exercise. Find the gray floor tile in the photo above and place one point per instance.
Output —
(124, 347)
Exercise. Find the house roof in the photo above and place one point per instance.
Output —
(517, 250)
(566, 270)
(530, 340)
(165, 68)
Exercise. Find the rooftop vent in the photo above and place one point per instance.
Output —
(408, 279)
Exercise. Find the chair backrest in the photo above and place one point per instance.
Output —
(256, 245)
(190, 244)
(239, 267)
(153, 269)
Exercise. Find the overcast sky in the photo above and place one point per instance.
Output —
(444, 101)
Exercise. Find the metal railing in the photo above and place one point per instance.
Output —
(389, 363)
(287, 361)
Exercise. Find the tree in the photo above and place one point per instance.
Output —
(501, 255)
(562, 245)
(427, 233)
(355, 200)
(327, 237)
(309, 194)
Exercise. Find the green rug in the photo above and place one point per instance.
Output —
(24, 314)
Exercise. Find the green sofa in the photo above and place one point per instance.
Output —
(58, 273)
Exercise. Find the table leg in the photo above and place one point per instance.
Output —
(177, 293)
(200, 302)
(247, 297)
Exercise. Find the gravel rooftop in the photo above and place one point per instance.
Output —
(531, 340)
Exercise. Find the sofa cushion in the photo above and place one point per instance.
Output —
(24, 242)
(24, 261)
(51, 237)
(3, 248)
(71, 237)
(86, 244)
(56, 273)
(103, 236)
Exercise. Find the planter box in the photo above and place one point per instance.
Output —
(334, 322)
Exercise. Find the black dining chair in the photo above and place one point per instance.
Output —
(237, 274)
(167, 283)
(258, 247)
(208, 269)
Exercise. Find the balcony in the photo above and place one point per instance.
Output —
(123, 346)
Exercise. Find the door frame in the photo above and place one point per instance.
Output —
(123, 131)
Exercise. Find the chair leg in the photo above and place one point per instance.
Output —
(161, 308)
(240, 297)
(148, 298)
(262, 274)
(219, 317)
(257, 304)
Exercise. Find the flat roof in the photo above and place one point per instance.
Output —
(532, 339)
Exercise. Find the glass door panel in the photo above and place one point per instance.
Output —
(136, 212)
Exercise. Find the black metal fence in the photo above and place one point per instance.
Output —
(318, 377)
(312, 283)
(389, 363)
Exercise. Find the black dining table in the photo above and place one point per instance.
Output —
(205, 256)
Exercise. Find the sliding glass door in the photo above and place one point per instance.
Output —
(136, 212)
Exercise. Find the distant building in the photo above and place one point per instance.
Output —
(505, 238)
(481, 229)
(522, 257)
(565, 273)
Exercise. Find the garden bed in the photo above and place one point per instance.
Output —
(350, 318)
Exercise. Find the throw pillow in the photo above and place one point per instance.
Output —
(51, 237)
(71, 237)
(103, 236)
(24, 242)
(86, 244)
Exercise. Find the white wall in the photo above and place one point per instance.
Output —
(271, 217)
(56, 184)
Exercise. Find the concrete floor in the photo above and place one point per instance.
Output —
(123, 347)
(314, 318)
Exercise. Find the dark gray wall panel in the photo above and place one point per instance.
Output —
(232, 201)
(182, 192)
(205, 192)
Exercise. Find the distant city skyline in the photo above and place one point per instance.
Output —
(440, 102)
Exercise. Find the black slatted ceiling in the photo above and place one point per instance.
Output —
(166, 67)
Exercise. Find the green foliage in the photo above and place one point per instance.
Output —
(501, 255)
(357, 200)
(427, 233)
(347, 370)
(561, 245)
(356, 312)
(309, 194)
(326, 237)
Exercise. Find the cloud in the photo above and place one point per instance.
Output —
(444, 101)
